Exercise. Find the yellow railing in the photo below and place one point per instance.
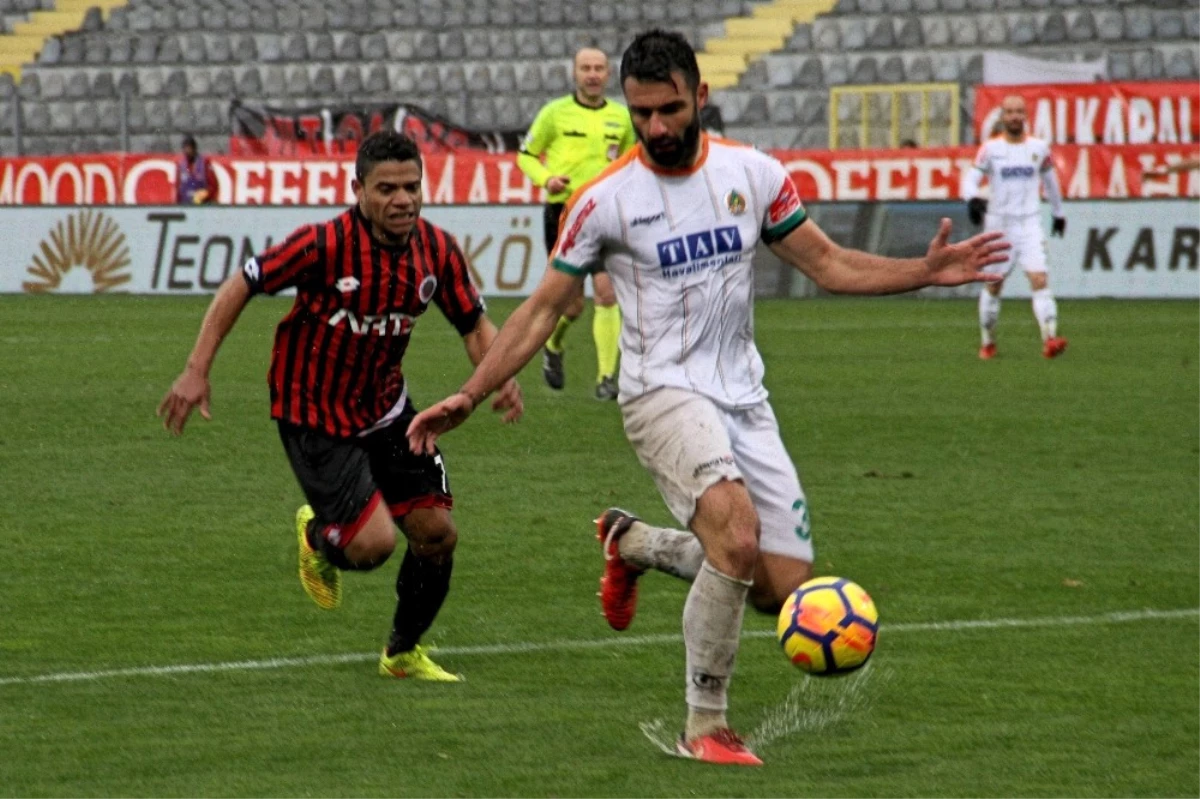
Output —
(27, 38)
(877, 121)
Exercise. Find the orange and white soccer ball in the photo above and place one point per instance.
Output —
(828, 626)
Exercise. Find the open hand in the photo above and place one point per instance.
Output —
(508, 398)
(955, 264)
(189, 390)
(426, 426)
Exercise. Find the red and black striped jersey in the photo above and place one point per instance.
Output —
(335, 365)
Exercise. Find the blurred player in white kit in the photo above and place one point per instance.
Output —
(1017, 166)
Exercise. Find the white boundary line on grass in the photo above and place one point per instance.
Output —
(569, 645)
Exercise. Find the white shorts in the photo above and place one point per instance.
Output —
(688, 444)
(1028, 242)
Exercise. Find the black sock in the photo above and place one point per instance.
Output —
(421, 587)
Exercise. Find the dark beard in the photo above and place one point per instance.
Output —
(678, 151)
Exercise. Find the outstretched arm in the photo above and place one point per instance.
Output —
(522, 335)
(845, 271)
(478, 342)
(191, 388)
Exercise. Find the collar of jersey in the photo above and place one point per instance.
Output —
(603, 102)
(679, 170)
(399, 249)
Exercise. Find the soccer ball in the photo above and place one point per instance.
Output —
(828, 626)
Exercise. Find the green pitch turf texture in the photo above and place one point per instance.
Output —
(953, 490)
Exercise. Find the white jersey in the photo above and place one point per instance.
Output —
(1015, 173)
(678, 245)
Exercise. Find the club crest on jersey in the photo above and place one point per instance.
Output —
(347, 284)
(426, 289)
(735, 202)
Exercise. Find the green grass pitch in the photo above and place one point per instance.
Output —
(154, 639)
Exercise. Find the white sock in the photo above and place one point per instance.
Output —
(1046, 311)
(712, 624)
(676, 552)
(989, 312)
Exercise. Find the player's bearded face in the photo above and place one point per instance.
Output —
(389, 196)
(666, 118)
(1013, 116)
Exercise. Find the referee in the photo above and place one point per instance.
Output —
(571, 141)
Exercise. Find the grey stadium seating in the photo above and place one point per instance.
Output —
(492, 63)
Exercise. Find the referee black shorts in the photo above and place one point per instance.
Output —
(343, 479)
(551, 219)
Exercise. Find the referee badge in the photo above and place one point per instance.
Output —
(735, 202)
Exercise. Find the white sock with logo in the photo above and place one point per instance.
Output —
(989, 312)
(712, 625)
(1045, 309)
(676, 552)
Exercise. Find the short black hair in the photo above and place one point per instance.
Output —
(385, 145)
(655, 54)
(188, 139)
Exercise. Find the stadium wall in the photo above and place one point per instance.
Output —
(1146, 248)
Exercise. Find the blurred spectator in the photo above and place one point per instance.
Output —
(909, 144)
(195, 183)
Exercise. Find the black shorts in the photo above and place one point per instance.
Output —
(551, 219)
(344, 478)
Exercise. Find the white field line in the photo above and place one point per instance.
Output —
(569, 645)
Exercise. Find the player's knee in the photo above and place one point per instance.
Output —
(431, 533)
(604, 295)
(739, 546)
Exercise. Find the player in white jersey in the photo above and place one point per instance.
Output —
(1017, 166)
(675, 222)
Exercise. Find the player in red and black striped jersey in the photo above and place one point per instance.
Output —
(339, 395)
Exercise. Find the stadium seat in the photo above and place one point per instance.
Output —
(854, 34)
(54, 85)
(321, 46)
(1191, 24)
(909, 35)
(128, 84)
(403, 79)
(756, 110)
(837, 70)
(249, 83)
(1110, 26)
(1168, 24)
(954, 6)
(892, 70)
(199, 82)
(926, 6)
(103, 85)
(811, 73)
(348, 47)
(964, 31)
(223, 84)
(30, 87)
(503, 43)
(529, 107)
(865, 71)
(274, 80)
(993, 30)
(95, 50)
(529, 78)
(62, 117)
(481, 113)
(1182, 64)
(452, 44)
(297, 84)
(881, 36)
(919, 68)
(935, 30)
(801, 38)
(945, 68)
(1139, 24)
(781, 108)
(1054, 28)
(1022, 30)
(1147, 65)
(350, 82)
(175, 83)
(1120, 65)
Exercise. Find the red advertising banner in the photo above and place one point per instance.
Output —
(1098, 172)
(1159, 112)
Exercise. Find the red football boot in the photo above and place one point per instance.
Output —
(723, 747)
(618, 586)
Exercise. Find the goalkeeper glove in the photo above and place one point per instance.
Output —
(1059, 226)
